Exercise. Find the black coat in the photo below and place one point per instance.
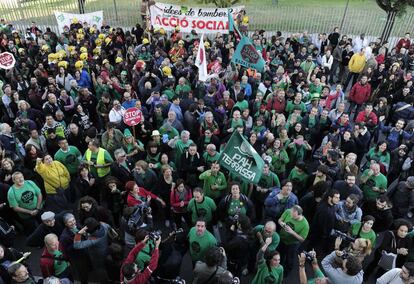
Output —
(121, 173)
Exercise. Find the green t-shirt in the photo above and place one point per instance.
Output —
(318, 274)
(379, 181)
(368, 236)
(70, 159)
(209, 180)
(100, 89)
(144, 256)
(300, 227)
(208, 159)
(24, 197)
(267, 275)
(275, 237)
(201, 210)
(59, 265)
(270, 180)
(298, 178)
(199, 245)
(184, 89)
(279, 162)
(290, 107)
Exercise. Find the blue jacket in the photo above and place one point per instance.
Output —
(394, 137)
(273, 207)
(84, 80)
(406, 114)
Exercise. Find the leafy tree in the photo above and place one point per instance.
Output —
(393, 8)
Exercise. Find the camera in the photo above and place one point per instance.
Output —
(309, 255)
(155, 235)
(345, 237)
(344, 255)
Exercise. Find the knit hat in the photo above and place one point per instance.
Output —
(127, 133)
(48, 215)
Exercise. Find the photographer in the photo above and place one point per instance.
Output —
(144, 255)
(130, 272)
(319, 276)
(359, 248)
(350, 272)
(213, 268)
(234, 205)
(134, 218)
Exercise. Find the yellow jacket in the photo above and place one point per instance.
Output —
(357, 63)
(54, 176)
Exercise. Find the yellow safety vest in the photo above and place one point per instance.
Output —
(100, 160)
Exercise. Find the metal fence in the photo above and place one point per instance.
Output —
(125, 13)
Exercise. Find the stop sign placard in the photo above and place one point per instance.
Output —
(7, 60)
(132, 116)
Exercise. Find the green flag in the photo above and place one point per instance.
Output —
(240, 158)
(246, 55)
(232, 26)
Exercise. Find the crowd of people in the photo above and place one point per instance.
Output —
(331, 116)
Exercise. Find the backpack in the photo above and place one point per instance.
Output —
(136, 219)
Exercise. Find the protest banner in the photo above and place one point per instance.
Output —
(241, 159)
(7, 60)
(202, 20)
(65, 19)
(246, 55)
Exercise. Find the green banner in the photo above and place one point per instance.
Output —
(246, 55)
(240, 158)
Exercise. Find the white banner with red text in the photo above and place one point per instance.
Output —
(202, 20)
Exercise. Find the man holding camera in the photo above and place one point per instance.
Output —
(319, 277)
(350, 272)
(130, 273)
(295, 229)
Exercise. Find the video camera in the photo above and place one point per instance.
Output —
(345, 237)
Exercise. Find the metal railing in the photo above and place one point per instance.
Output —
(126, 13)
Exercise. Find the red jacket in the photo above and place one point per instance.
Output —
(143, 277)
(47, 263)
(175, 201)
(403, 42)
(371, 120)
(274, 104)
(133, 201)
(360, 93)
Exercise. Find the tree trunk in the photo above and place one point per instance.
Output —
(389, 25)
